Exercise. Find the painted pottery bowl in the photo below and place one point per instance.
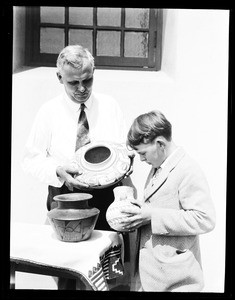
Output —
(73, 220)
(102, 163)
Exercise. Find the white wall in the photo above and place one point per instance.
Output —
(191, 90)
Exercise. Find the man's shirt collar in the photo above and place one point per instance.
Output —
(76, 106)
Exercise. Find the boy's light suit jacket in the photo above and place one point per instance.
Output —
(181, 209)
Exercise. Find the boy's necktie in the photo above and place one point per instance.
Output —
(155, 175)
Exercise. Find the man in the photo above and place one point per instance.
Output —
(54, 137)
(56, 134)
(176, 208)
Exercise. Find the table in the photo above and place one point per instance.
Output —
(35, 249)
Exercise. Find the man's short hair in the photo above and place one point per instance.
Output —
(74, 55)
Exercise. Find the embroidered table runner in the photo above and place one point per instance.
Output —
(97, 259)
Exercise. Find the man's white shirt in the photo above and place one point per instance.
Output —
(52, 139)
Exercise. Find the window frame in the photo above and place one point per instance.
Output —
(152, 63)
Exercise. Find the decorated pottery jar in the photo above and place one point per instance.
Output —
(122, 198)
(103, 164)
(73, 220)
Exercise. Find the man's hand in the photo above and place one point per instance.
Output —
(67, 173)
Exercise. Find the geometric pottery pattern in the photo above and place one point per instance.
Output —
(114, 216)
(72, 231)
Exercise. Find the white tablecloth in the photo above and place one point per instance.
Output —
(97, 259)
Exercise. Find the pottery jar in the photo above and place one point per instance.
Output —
(73, 220)
(122, 198)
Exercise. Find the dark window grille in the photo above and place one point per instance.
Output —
(118, 38)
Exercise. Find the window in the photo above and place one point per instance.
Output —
(126, 38)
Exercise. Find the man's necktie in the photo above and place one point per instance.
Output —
(82, 129)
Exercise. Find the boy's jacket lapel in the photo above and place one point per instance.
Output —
(171, 163)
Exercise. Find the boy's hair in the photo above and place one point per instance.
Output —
(147, 127)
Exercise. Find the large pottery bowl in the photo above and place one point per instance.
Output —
(73, 220)
(103, 163)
